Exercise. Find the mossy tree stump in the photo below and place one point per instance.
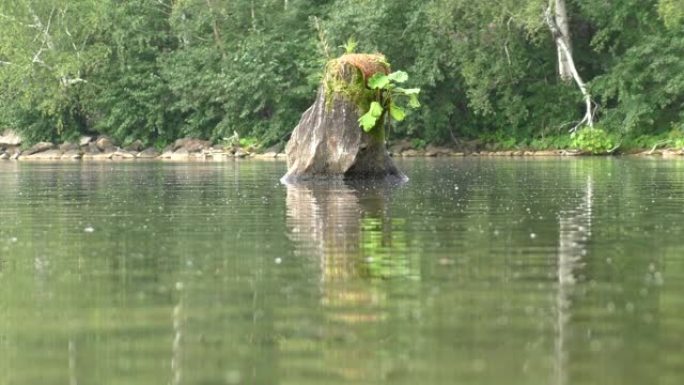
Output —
(328, 142)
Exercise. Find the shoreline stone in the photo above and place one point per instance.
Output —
(38, 148)
(10, 138)
(148, 153)
(72, 154)
(51, 154)
(135, 146)
(85, 140)
(68, 146)
(104, 143)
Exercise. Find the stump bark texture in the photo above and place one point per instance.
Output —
(329, 144)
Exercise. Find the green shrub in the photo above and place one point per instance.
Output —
(593, 140)
(551, 142)
(498, 140)
(249, 142)
(418, 143)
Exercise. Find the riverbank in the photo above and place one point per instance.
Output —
(103, 148)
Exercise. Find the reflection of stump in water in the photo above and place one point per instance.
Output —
(327, 222)
(342, 226)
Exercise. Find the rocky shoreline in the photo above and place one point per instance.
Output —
(103, 148)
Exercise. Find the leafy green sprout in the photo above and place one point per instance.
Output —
(388, 93)
(350, 45)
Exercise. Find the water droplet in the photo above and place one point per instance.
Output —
(479, 365)
(233, 377)
(658, 278)
(595, 346)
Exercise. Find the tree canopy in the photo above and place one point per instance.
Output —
(157, 70)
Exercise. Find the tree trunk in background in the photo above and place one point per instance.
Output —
(561, 17)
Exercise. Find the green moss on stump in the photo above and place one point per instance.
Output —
(347, 76)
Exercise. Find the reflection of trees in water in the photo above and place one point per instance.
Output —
(356, 242)
(574, 233)
(73, 378)
(176, 346)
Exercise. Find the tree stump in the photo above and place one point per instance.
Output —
(328, 142)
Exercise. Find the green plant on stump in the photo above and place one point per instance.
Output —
(593, 140)
(387, 94)
(366, 80)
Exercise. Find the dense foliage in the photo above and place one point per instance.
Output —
(160, 69)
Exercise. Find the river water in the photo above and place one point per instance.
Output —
(477, 271)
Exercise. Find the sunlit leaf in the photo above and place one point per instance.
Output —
(375, 109)
(398, 76)
(397, 113)
(370, 118)
(378, 81)
(413, 101)
(408, 91)
(367, 121)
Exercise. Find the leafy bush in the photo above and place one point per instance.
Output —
(552, 142)
(593, 140)
(418, 143)
(498, 140)
(249, 142)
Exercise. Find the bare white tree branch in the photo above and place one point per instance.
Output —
(570, 62)
(67, 81)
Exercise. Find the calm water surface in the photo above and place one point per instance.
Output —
(478, 271)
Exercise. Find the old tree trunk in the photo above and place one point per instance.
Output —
(328, 142)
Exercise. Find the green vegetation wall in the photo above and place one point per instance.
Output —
(157, 70)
